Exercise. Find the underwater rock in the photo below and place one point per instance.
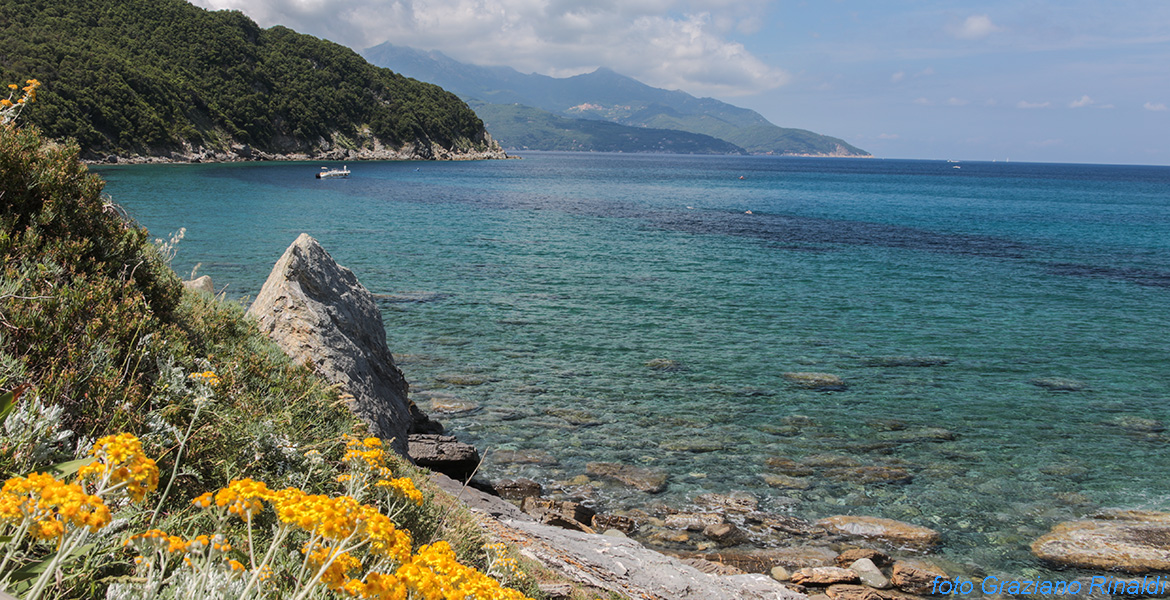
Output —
(461, 379)
(869, 475)
(894, 533)
(825, 382)
(1058, 384)
(692, 445)
(785, 482)
(664, 364)
(737, 501)
(907, 361)
(924, 434)
(830, 460)
(651, 481)
(447, 404)
(1138, 424)
(1130, 541)
(526, 457)
(787, 466)
(693, 521)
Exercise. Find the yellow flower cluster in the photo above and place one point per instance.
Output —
(121, 461)
(50, 506)
(504, 566)
(241, 497)
(209, 551)
(434, 574)
(402, 486)
(366, 456)
(208, 377)
(29, 96)
(336, 575)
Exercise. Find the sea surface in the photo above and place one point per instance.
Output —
(1002, 328)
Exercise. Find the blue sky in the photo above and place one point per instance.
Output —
(1030, 80)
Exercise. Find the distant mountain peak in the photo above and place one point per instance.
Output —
(606, 95)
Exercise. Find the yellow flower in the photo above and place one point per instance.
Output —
(402, 486)
(51, 506)
(122, 457)
(242, 497)
(12, 86)
(208, 377)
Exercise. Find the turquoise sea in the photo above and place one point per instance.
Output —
(1022, 308)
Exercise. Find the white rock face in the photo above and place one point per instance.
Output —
(322, 317)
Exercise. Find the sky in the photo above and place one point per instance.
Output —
(1026, 80)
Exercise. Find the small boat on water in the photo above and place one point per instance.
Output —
(327, 173)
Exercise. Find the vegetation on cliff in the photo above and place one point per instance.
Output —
(128, 404)
(158, 76)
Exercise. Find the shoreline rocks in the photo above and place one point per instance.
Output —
(1129, 541)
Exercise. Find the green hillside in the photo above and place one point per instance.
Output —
(155, 76)
(523, 127)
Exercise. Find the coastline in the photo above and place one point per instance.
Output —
(245, 153)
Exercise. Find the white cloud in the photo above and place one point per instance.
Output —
(896, 77)
(888, 136)
(665, 43)
(956, 102)
(923, 102)
(1026, 104)
(1154, 107)
(973, 27)
(1082, 102)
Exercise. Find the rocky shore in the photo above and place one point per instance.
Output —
(720, 546)
(419, 150)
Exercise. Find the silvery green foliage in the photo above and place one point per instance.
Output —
(186, 584)
(33, 433)
(267, 444)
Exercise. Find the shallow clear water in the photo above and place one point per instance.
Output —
(940, 295)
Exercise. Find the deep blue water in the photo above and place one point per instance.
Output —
(943, 297)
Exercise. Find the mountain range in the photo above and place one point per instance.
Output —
(547, 113)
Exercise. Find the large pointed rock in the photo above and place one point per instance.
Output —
(319, 313)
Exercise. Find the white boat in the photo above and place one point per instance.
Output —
(327, 173)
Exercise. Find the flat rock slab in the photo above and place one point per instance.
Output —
(1130, 541)
(651, 481)
(824, 576)
(625, 567)
(894, 533)
(444, 454)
